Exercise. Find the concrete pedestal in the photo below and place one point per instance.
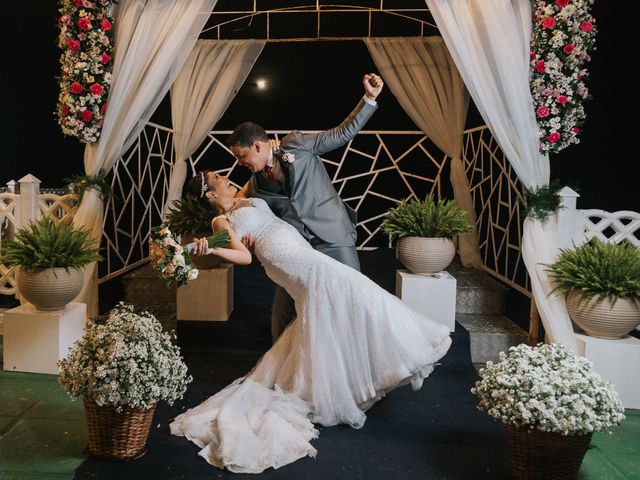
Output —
(617, 361)
(209, 297)
(35, 340)
(432, 295)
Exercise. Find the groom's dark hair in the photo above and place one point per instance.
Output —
(245, 134)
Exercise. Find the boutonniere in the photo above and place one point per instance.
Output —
(288, 157)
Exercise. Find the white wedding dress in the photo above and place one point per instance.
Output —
(351, 342)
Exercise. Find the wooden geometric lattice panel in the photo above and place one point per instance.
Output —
(140, 183)
(372, 173)
(496, 189)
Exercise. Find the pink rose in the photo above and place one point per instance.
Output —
(532, 55)
(73, 45)
(79, 3)
(568, 48)
(548, 22)
(575, 130)
(105, 25)
(64, 19)
(540, 66)
(553, 137)
(562, 99)
(96, 88)
(586, 26)
(543, 112)
(87, 115)
(64, 110)
(562, 3)
(84, 24)
(103, 108)
(104, 58)
(75, 88)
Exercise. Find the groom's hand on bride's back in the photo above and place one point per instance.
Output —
(249, 242)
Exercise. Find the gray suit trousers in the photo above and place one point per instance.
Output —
(283, 311)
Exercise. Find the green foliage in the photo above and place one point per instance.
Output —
(599, 269)
(98, 182)
(186, 217)
(541, 202)
(427, 218)
(47, 244)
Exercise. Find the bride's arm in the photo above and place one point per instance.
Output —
(236, 252)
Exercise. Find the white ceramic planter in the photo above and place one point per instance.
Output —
(423, 255)
(49, 288)
(604, 319)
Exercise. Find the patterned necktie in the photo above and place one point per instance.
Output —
(268, 171)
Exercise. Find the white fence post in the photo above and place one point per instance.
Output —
(28, 201)
(570, 220)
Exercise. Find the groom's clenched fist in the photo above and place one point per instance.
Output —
(372, 85)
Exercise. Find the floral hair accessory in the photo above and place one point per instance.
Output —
(288, 158)
(204, 187)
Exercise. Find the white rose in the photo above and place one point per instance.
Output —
(178, 260)
(193, 274)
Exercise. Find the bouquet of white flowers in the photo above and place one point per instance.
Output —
(127, 362)
(547, 388)
(171, 260)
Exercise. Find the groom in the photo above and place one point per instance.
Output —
(297, 188)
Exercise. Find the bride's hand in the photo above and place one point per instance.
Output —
(275, 144)
(202, 246)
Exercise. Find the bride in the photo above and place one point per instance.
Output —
(350, 344)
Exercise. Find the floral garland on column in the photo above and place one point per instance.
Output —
(562, 37)
(86, 40)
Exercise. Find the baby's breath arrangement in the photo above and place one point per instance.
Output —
(427, 218)
(126, 362)
(547, 388)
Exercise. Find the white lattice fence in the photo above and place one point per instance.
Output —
(612, 226)
(20, 206)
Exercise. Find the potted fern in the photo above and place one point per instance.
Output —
(189, 220)
(425, 231)
(601, 282)
(50, 255)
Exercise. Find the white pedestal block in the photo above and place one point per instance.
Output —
(617, 361)
(432, 295)
(208, 297)
(35, 340)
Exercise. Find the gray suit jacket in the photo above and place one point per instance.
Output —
(307, 200)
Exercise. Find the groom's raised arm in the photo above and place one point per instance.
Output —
(331, 139)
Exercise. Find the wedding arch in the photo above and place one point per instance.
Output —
(492, 63)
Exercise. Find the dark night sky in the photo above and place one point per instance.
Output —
(313, 86)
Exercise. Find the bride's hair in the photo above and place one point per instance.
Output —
(196, 189)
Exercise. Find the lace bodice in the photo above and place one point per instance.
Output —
(278, 246)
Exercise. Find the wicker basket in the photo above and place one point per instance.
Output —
(117, 435)
(545, 455)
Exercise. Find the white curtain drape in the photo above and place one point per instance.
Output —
(426, 83)
(208, 82)
(153, 39)
(489, 41)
